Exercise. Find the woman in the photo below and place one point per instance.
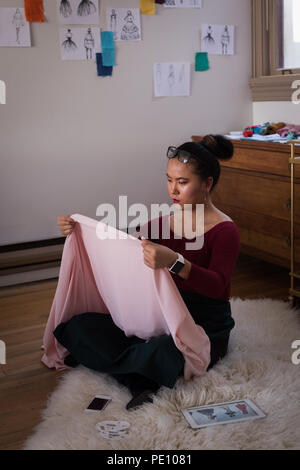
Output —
(203, 278)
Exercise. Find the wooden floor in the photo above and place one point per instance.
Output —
(25, 383)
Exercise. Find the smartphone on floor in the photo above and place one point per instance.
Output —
(98, 403)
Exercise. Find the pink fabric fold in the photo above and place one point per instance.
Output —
(109, 276)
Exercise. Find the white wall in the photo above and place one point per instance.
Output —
(71, 140)
(276, 111)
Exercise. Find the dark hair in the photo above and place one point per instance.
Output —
(207, 154)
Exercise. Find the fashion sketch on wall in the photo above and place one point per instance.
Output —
(68, 44)
(172, 78)
(125, 23)
(18, 22)
(218, 39)
(86, 8)
(65, 8)
(208, 38)
(158, 78)
(89, 44)
(80, 43)
(130, 31)
(225, 40)
(113, 22)
(14, 29)
(78, 12)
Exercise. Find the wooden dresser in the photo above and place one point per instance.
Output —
(254, 189)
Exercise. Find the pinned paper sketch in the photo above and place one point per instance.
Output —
(65, 8)
(2, 92)
(86, 8)
(78, 11)
(112, 22)
(217, 39)
(183, 4)
(125, 23)
(89, 44)
(172, 78)
(14, 29)
(80, 43)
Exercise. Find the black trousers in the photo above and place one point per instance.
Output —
(136, 383)
(160, 362)
(96, 342)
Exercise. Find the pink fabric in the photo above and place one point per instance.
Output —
(289, 128)
(109, 276)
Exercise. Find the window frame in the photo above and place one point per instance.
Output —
(267, 83)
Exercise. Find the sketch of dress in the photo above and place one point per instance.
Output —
(68, 44)
(229, 411)
(85, 8)
(225, 40)
(158, 76)
(208, 39)
(65, 8)
(181, 79)
(89, 43)
(182, 73)
(113, 22)
(242, 408)
(18, 22)
(209, 413)
(129, 31)
(171, 78)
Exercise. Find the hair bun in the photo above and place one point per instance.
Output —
(221, 147)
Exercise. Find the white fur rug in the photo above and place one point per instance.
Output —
(258, 366)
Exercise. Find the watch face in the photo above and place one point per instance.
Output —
(177, 267)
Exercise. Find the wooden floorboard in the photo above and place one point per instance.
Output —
(26, 384)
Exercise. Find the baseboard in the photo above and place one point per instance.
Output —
(30, 262)
(29, 276)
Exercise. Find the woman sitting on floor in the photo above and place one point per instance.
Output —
(202, 276)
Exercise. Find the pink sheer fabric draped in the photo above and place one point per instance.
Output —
(109, 276)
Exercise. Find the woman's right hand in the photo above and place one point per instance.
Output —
(65, 224)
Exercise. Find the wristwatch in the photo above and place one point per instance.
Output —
(178, 265)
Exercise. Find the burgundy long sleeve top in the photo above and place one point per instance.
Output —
(211, 266)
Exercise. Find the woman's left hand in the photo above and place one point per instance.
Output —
(157, 256)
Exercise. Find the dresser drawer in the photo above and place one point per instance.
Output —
(264, 161)
(275, 249)
(258, 193)
(264, 235)
(268, 158)
(255, 191)
(265, 157)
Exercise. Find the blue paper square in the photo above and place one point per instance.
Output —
(102, 70)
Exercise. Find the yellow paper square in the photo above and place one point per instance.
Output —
(147, 7)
